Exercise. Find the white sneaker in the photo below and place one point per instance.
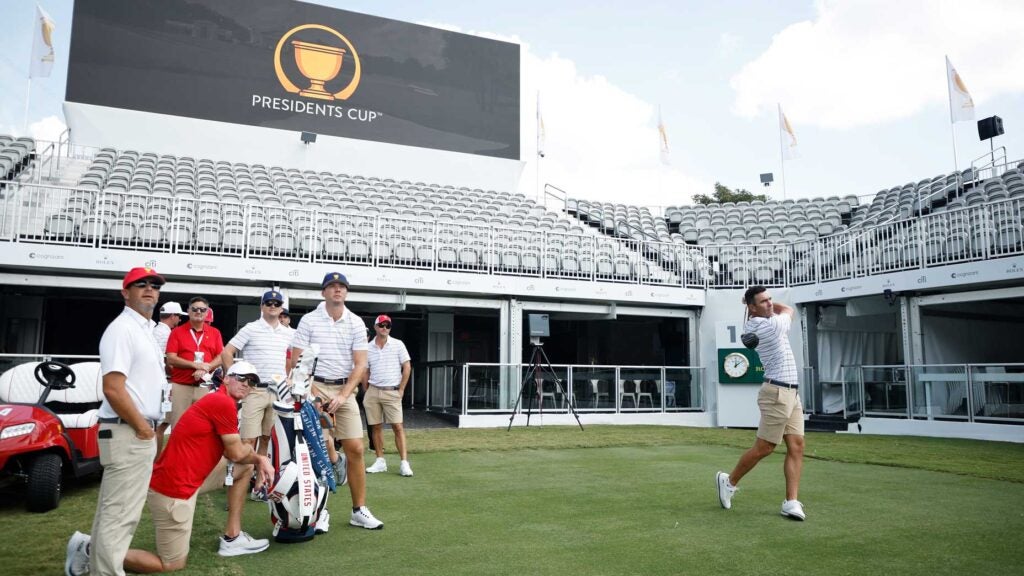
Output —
(404, 469)
(725, 490)
(379, 465)
(323, 523)
(341, 470)
(77, 563)
(364, 519)
(243, 544)
(793, 509)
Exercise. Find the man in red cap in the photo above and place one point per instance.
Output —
(133, 375)
(388, 373)
(193, 351)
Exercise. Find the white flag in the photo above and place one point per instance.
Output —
(787, 136)
(961, 105)
(540, 129)
(663, 140)
(42, 45)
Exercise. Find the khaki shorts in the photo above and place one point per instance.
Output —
(382, 406)
(782, 413)
(172, 519)
(183, 396)
(257, 414)
(347, 422)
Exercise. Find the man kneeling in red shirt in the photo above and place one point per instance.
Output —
(192, 463)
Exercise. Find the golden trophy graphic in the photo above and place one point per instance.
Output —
(318, 63)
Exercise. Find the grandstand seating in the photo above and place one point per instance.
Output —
(145, 201)
(15, 155)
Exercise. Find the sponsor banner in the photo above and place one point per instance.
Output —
(300, 67)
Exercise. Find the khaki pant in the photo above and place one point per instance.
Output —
(257, 414)
(347, 422)
(781, 413)
(127, 466)
(382, 406)
(172, 519)
(183, 396)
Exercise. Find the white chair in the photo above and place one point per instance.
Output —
(595, 392)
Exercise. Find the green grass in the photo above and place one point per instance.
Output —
(623, 500)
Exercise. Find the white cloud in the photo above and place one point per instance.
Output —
(873, 61)
(728, 43)
(49, 128)
(601, 142)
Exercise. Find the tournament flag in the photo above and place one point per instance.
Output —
(540, 129)
(788, 137)
(42, 45)
(663, 140)
(961, 105)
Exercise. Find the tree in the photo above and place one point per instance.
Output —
(725, 194)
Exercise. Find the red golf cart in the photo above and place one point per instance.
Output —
(49, 427)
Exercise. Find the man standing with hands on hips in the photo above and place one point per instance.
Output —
(389, 369)
(782, 414)
(340, 368)
(133, 375)
(193, 351)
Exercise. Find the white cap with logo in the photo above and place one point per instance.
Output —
(172, 308)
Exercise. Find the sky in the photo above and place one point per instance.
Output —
(862, 83)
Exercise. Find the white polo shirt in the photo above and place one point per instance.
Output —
(128, 347)
(161, 332)
(386, 362)
(773, 347)
(337, 340)
(264, 346)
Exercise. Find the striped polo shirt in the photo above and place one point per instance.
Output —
(264, 346)
(773, 347)
(386, 363)
(337, 340)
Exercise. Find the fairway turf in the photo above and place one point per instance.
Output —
(621, 500)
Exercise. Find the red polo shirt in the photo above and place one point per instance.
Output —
(184, 341)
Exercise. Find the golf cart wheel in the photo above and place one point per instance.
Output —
(44, 483)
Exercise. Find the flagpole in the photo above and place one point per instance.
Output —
(28, 98)
(952, 124)
(782, 153)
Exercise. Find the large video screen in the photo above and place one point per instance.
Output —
(301, 67)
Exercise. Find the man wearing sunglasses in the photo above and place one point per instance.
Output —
(264, 343)
(133, 376)
(388, 373)
(194, 462)
(193, 351)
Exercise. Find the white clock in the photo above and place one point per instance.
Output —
(736, 365)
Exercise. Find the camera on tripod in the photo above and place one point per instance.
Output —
(539, 326)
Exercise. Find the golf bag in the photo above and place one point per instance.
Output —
(302, 470)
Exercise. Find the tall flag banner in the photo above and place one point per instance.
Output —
(663, 140)
(961, 105)
(42, 45)
(787, 136)
(540, 129)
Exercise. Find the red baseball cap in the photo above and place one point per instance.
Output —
(382, 318)
(141, 273)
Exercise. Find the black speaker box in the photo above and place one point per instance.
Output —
(990, 127)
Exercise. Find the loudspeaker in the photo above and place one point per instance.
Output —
(990, 127)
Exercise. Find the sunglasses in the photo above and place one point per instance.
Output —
(272, 304)
(250, 380)
(199, 310)
(146, 284)
(384, 325)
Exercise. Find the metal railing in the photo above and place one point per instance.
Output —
(488, 388)
(955, 392)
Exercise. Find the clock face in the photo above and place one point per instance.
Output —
(736, 365)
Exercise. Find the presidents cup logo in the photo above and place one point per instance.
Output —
(313, 61)
(319, 63)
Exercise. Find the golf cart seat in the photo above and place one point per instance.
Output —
(76, 407)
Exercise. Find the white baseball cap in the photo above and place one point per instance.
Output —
(243, 368)
(172, 308)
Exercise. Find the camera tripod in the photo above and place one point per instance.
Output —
(538, 364)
